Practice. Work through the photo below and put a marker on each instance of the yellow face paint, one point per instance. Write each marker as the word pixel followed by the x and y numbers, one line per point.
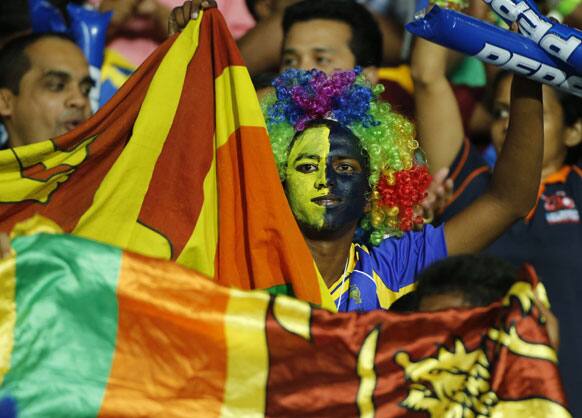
pixel 306 175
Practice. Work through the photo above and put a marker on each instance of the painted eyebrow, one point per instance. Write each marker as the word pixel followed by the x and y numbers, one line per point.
pixel 308 156
pixel 344 157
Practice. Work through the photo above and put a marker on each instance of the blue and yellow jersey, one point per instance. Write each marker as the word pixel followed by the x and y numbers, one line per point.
pixel 376 277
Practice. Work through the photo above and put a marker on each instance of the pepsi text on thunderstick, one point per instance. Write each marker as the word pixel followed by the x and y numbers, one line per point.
pixel 538 28
pixel 531 68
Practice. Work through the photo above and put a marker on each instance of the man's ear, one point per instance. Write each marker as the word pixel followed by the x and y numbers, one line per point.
pixel 573 134
pixel 6 103
pixel 371 74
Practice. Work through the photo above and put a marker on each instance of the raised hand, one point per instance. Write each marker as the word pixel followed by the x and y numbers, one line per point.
pixel 180 16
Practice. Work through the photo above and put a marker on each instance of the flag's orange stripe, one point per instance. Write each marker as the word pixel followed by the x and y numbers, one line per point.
pixel 187 155
pixel 188 151
pixel 265 257
pixel 112 125
pixel 226 52
pixel 170 358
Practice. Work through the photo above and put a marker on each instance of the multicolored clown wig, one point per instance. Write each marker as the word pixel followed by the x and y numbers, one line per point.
pixel 398 173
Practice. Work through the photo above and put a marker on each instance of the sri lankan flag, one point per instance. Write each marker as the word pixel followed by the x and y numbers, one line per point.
pixel 88 330
pixel 177 165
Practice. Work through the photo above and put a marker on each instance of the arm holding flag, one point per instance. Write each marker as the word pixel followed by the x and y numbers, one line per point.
pixel 180 16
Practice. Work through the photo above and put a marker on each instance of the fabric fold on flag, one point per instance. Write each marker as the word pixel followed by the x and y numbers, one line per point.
pixel 87 329
pixel 177 165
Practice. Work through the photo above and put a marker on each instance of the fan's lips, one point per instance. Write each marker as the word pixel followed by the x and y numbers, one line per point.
pixel 327 201
pixel 73 123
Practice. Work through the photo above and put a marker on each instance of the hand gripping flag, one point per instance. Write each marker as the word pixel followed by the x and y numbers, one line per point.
pixel 177 165
pixel 87 330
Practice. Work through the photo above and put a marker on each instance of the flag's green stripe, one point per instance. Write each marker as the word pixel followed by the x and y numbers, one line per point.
pixel 66 325
pixel 282 289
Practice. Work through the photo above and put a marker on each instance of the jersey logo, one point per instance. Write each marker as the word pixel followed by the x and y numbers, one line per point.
pixel 355 295
pixel 560 209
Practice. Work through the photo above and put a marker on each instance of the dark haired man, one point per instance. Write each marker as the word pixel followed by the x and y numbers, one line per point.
pixel 262 45
pixel 330 35
pixel 44 87
pixel 471 280
pixel 464 281
pixel 335 35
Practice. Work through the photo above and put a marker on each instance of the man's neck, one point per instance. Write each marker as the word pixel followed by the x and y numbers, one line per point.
pixel 331 254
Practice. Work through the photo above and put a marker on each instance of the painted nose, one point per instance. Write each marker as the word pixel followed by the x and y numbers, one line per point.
pixel 330 176
pixel 321 182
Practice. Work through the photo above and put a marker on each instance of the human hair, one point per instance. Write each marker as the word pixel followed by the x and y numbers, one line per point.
pixel 14 19
pixel 14 62
pixel 366 40
pixel 398 176
pixel 263 80
pixel 480 279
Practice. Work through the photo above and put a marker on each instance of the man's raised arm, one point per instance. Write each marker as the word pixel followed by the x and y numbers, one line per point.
pixel 439 123
pixel 513 189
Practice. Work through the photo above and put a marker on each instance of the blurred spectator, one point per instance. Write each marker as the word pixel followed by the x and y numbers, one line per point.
pixel 139 26
pixel 44 87
pixel 261 47
pixel 337 35
pixel 550 237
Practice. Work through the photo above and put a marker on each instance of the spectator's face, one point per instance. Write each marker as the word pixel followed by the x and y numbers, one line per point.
pixel 557 136
pixel 53 95
pixel 326 179
pixel 318 43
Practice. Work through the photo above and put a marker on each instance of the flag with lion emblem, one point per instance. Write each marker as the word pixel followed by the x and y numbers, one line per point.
pixel 176 165
pixel 88 330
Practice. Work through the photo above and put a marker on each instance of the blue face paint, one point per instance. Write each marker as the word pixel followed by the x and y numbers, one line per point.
pixel 347 179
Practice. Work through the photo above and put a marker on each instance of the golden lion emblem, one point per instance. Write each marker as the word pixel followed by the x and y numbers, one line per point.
pixel 456 384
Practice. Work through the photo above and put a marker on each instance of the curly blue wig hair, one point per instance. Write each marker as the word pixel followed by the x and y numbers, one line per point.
pixel 398 173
